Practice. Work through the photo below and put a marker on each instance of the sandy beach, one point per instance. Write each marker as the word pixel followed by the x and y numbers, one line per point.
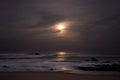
pixel 53 76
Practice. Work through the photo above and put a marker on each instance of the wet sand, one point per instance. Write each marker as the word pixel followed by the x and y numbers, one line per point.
pixel 53 76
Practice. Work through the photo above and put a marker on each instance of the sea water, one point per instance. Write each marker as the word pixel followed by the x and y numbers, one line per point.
pixel 57 61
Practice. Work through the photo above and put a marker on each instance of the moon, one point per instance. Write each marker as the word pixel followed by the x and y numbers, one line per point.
pixel 61 27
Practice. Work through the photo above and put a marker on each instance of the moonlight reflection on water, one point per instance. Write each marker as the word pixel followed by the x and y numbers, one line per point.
pixel 61 56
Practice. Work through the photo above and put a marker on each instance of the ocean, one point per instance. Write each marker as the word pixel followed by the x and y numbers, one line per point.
pixel 68 62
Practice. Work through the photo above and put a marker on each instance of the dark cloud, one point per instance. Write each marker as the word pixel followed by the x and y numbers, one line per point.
pixel 27 25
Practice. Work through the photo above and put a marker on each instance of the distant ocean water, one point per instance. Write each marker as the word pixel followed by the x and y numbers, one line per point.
pixel 56 61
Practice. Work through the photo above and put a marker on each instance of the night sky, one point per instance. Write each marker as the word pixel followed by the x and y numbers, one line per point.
pixel 30 25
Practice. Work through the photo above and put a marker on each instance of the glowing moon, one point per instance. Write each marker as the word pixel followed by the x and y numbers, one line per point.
pixel 60 27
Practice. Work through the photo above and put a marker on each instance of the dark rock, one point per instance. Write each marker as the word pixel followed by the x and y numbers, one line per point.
pixel 51 69
pixel 4 66
pixel 103 67
pixel 94 59
pixel 36 53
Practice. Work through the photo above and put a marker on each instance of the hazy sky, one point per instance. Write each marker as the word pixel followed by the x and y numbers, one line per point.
pixel 28 25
